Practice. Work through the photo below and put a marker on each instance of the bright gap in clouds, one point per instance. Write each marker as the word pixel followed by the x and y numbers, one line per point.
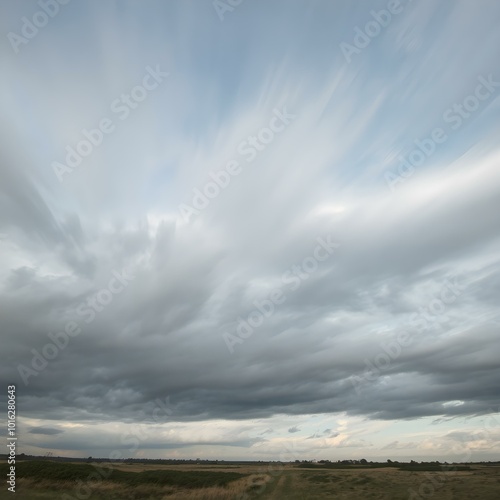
pixel 246 244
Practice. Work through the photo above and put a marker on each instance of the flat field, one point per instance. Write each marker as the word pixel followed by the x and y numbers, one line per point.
pixel 44 480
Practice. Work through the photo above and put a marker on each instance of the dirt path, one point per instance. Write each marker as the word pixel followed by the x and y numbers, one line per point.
pixel 276 494
pixel 281 488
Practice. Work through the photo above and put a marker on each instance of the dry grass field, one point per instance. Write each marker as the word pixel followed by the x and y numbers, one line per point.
pixel 261 482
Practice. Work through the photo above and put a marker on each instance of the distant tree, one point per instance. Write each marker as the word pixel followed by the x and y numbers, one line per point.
pixel 363 461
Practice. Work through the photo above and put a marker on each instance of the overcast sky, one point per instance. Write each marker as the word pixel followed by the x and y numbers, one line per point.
pixel 261 231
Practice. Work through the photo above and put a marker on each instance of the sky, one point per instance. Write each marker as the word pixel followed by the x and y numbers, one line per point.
pixel 251 230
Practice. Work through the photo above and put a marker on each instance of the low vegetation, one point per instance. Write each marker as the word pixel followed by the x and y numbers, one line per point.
pixel 124 480
pixel 414 466
pixel 46 470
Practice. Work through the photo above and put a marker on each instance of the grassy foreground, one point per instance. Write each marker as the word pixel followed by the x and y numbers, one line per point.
pixel 44 480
